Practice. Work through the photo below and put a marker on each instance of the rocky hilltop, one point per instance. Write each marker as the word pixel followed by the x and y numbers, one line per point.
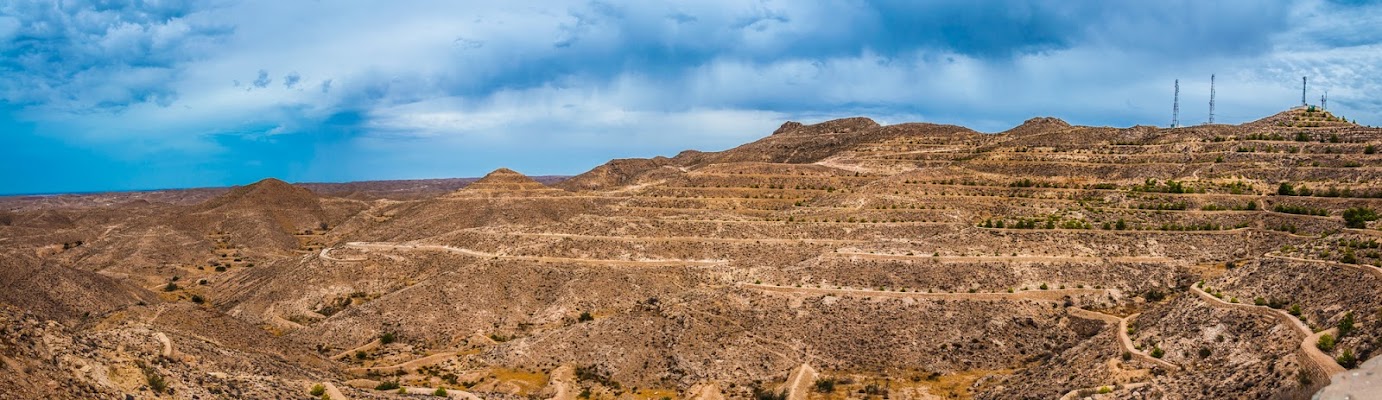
pixel 844 259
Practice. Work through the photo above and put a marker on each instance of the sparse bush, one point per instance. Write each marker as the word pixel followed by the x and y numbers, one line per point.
pixel 1326 343
pixel 387 385
pixel 196 298
pixel 1157 352
pixel 1347 360
pixel 170 287
pixel 387 338
pixel 585 316
pixel 825 385
pixel 1358 217
pixel 152 378
pixel 318 390
pixel 764 394
pixel 1304 378
pixel 1285 189
pixel 440 392
pixel 1346 324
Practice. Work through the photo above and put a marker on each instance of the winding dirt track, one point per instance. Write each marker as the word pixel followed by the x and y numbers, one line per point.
pixel 1139 259
pixel 799 384
pixel 1376 272
pixel 1043 295
pixel 332 391
pixel 1325 363
pixel 560 381
pixel 450 393
pixel 693 239
pixel 374 344
pixel 1123 338
pixel 473 253
pixel 403 366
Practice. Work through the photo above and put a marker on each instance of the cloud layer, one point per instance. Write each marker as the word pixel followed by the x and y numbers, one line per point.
pixel 157 93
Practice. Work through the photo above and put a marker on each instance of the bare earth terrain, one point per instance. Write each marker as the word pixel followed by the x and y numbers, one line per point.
pixel 838 260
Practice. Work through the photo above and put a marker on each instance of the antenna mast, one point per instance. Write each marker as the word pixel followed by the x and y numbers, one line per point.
pixel 1302 92
pixel 1175 107
pixel 1211 98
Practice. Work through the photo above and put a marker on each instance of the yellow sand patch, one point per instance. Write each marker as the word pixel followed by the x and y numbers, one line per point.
pixel 527 382
pixel 654 394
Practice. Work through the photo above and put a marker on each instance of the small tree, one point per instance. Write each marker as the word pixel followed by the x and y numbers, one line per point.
pixel 1285 189
pixel 1358 217
pixel 1347 360
pixel 1326 343
pixel 825 385
pixel 1346 324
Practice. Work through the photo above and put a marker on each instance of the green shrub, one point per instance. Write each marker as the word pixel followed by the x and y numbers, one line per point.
pixel 1326 343
pixel 825 385
pixel 1286 189
pixel 440 392
pixel 152 378
pixel 387 385
pixel 196 298
pixel 1358 217
pixel 170 287
pixel 318 390
pixel 1346 324
pixel 1347 360
pixel 764 394
pixel 585 316
pixel 1157 352
pixel 387 337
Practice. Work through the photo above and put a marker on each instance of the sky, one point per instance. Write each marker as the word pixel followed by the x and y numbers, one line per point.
pixel 150 94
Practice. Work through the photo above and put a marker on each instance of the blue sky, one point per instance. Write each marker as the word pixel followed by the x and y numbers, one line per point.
pixel 130 94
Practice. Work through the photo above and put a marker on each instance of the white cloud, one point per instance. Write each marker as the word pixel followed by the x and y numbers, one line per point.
pixel 440 76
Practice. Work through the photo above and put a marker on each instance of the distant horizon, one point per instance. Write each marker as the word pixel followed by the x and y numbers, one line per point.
pixel 256 180
pixel 251 183
pixel 105 97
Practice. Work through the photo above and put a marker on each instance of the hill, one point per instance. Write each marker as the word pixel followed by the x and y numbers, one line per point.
pixel 844 259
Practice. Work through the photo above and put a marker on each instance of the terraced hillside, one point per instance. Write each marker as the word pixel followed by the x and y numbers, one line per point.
pixel 838 260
